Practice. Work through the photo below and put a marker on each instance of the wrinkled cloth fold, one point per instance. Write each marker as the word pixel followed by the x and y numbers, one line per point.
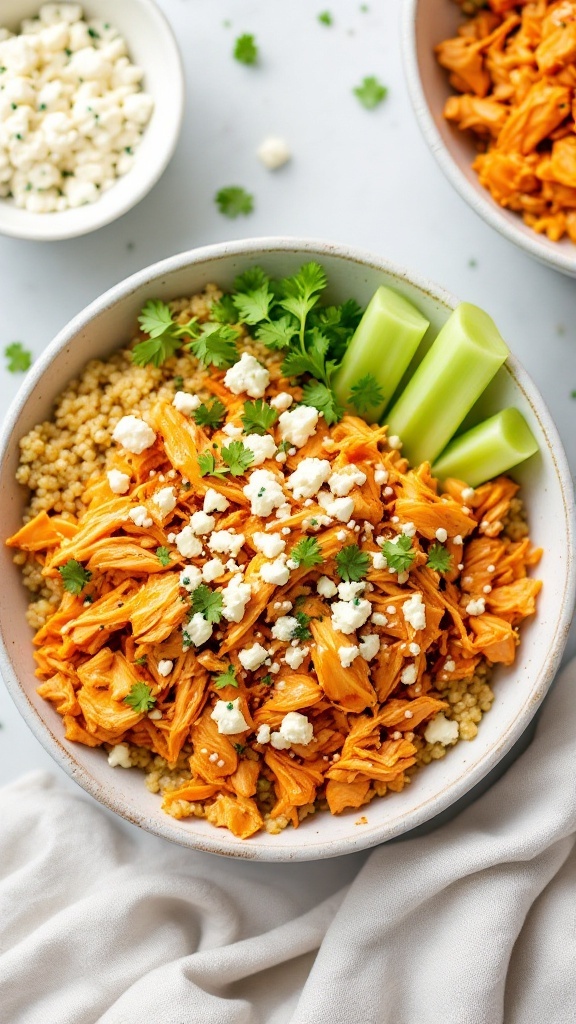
pixel 474 923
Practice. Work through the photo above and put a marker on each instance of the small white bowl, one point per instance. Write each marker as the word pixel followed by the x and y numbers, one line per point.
pixel 151 45
pixel 427 23
pixel 546 488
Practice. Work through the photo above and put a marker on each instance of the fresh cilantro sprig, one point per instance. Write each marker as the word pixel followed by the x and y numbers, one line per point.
pixel 258 417
pixel 371 92
pixel 439 558
pixel 74 576
pixel 235 456
pixel 208 602
pixel 164 334
pixel 224 311
pixel 399 553
pixel 307 553
pixel 352 564
pixel 301 631
pixel 140 698
pixel 366 394
pixel 233 201
pixel 210 415
pixel 163 555
pixel 19 359
pixel 246 49
pixel 322 398
pixel 227 678
pixel 216 345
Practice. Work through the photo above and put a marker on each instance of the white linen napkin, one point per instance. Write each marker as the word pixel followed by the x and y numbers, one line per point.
pixel 473 924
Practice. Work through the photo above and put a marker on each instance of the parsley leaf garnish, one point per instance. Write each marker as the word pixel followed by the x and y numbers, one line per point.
pixel 352 563
pixel 216 345
pixel 227 678
pixel 307 553
pixel 254 305
pixel 164 335
pixel 237 457
pixel 322 398
pixel 439 558
pixel 74 576
pixel 233 201
pixel 19 358
pixel 399 553
pixel 140 698
pixel 325 18
pixel 366 394
pixel 302 292
pixel 301 631
pixel 156 318
pixel 371 92
pixel 245 49
pixel 258 417
pixel 278 333
pixel 207 464
pixel 224 311
pixel 207 602
pixel 210 415
pixel 163 556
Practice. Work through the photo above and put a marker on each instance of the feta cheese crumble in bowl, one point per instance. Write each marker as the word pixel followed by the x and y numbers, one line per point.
pixel 91 105
pixel 229 585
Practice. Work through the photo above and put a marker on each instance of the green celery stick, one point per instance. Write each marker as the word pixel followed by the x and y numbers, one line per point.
pixel 453 374
pixel 383 345
pixel 485 451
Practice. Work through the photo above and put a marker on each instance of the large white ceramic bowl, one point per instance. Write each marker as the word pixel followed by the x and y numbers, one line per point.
pixel 546 488
pixel 151 45
pixel 427 23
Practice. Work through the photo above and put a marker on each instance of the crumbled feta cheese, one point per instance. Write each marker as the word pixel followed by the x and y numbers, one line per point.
pixel 390 609
pixel 347 655
pixel 378 560
pixel 441 534
pixel 341 535
pixel 369 646
pixel 294 728
pixel 187 543
pixel 348 591
pixel 165 500
pixel 264 492
pixel 118 482
pixel 262 446
pixel 263 734
pixel 491 568
pixel 476 607
pixel 185 403
pixel 348 616
pixel 441 730
pixel 295 656
pixel 341 509
pixel 247 376
pixel 165 667
pixel 344 479
pixel 449 665
pixel 414 611
pixel 235 597
pixel 201 523
pixel 213 569
pixel 408 529
pixel 190 578
pixel 155 715
pixel 283 511
pixel 270 544
pixel 467 493
pixel 139 516
pixel 281 401
pixel 326 587
pixel 276 572
pixel 228 717
pixel 308 477
pixel 225 542
pixel 252 657
pixel 231 430
pixel 273 152
pixel 394 442
pixel 298 426
pixel 380 475
pixel 133 434
pixel 414 649
pixel 119 756
pixel 284 627
pixel 458 540
pixel 409 675
pixel 486 589
pixel 214 502
pixel 196 632
pixel 378 619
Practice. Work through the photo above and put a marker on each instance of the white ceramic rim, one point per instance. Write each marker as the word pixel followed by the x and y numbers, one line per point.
pixel 29 233
pixel 429 808
pixel 481 203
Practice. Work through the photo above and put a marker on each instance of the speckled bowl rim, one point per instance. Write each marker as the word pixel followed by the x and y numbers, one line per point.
pixel 371 835
pixel 476 196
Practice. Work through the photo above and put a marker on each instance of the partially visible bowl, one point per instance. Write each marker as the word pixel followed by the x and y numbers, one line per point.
pixel 427 23
pixel 546 487
pixel 151 44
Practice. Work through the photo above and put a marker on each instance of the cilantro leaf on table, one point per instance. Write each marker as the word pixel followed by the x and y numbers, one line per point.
pixel 140 698
pixel 258 417
pixel 366 394
pixel 74 576
pixel 210 415
pixel 164 334
pixel 227 678
pixel 233 201
pixel 208 602
pixel 399 553
pixel 371 92
pixel 352 564
pixel 439 558
pixel 237 457
pixel 163 555
pixel 245 49
pixel 322 398
pixel 325 18
pixel 216 345
pixel 19 359
pixel 307 553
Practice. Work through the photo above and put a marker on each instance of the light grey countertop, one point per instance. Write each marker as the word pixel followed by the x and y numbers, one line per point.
pixel 356 176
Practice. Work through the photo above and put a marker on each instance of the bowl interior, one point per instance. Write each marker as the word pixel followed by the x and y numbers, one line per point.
pixel 152 46
pixel 427 24
pixel 546 489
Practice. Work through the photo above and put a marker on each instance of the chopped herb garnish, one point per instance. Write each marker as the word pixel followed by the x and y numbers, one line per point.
pixel 164 335
pixel 285 446
pixel 371 92
pixel 239 748
pixel 207 465
pixel 233 201
pixel 224 311
pixel 352 564
pixel 258 417
pixel 366 394
pixel 216 345
pixel 267 679
pixel 325 18
pixel 439 558
pixel 207 602
pixel 322 398
pixel 301 631
pixel 245 49
pixel 140 698
pixel 307 553
pixel 163 556
pixel 399 553
pixel 210 415
pixel 178 382
pixel 142 660
pixel 227 678
pixel 74 576
pixel 19 358
pixel 237 457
